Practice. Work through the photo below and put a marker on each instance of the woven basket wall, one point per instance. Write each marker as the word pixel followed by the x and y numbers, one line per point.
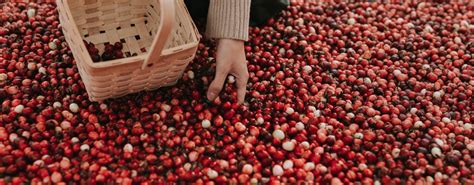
pixel 135 24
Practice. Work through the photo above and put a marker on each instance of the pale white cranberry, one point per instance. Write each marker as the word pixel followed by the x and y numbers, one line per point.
pixel 299 126
pixel 351 21
pixel 436 152
pixel 128 148
pixel 288 164
pixel 277 170
pixel 309 166
pixel 191 75
pixel 290 110
pixel 278 134
pixel 57 105
pixel 260 120
pixel 247 169
pixel 231 79
pixel 396 152
pixel 19 109
pixel 206 123
pixel 288 145
pixel 74 107
pixel 84 147
pixel 212 174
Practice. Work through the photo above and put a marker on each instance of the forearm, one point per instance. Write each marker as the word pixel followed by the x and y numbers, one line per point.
pixel 228 19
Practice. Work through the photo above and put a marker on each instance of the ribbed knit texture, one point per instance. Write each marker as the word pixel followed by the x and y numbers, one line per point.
pixel 228 19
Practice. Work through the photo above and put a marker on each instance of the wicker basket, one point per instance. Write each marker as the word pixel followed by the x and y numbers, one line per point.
pixel 161 34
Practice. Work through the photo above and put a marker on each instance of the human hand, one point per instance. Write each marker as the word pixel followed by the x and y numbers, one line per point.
pixel 230 59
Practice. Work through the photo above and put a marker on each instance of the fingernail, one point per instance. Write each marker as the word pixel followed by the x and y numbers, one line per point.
pixel 211 96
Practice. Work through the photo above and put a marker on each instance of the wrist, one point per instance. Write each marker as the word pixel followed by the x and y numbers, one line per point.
pixel 231 46
pixel 230 41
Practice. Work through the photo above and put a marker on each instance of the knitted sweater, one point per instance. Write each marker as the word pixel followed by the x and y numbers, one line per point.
pixel 228 19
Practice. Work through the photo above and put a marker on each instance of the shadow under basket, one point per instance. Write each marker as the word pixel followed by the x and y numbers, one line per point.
pixel 159 40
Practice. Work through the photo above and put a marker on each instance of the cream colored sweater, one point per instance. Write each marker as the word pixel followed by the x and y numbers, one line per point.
pixel 228 19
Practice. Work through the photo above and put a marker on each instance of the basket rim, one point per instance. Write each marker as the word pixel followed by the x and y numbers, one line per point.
pixel 127 60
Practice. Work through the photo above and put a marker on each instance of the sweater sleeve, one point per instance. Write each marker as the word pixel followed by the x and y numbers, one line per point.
pixel 228 19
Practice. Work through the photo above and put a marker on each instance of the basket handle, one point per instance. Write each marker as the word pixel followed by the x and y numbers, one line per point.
pixel 167 10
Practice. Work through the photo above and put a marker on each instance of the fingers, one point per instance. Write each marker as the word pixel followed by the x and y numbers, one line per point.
pixel 216 85
pixel 241 91
pixel 242 87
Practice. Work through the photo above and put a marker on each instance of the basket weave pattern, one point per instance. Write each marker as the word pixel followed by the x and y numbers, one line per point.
pixel 134 23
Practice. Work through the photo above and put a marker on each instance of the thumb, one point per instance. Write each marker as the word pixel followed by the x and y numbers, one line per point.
pixel 216 85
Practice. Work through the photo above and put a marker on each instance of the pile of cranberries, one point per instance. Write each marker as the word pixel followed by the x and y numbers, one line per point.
pixel 111 52
pixel 339 93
